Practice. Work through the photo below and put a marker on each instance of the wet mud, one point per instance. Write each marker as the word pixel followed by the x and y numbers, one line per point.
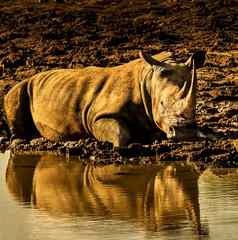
pixel 38 36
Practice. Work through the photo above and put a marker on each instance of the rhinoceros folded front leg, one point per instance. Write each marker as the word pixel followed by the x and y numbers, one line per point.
pixel 111 130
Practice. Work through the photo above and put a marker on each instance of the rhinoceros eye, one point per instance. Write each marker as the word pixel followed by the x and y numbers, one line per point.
pixel 166 72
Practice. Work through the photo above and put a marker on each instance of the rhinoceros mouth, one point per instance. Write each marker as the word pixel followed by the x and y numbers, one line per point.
pixel 180 128
pixel 186 130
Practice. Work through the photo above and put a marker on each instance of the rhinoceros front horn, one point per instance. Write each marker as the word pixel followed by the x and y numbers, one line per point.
pixel 192 87
pixel 195 61
pixel 191 95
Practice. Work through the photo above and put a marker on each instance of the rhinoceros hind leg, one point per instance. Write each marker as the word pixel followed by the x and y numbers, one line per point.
pixel 50 133
pixel 111 130
pixel 17 109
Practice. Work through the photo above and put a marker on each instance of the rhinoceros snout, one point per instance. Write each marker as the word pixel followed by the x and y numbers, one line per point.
pixel 182 133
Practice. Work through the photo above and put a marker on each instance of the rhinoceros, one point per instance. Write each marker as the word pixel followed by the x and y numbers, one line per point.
pixel 122 104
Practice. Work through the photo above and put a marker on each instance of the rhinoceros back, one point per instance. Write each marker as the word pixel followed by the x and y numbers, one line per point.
pixel 66 103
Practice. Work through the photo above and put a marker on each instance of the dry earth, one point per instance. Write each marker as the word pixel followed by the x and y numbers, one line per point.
pixel 39 36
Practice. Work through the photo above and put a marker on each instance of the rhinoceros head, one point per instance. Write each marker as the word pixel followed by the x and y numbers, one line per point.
pixel 171 88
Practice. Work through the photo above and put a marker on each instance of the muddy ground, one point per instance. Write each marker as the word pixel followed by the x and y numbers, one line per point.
pixel 40 36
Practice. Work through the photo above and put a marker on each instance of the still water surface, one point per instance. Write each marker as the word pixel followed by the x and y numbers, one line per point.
pixel 49 197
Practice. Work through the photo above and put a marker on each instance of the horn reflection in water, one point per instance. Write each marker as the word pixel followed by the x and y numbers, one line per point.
pixel 155 197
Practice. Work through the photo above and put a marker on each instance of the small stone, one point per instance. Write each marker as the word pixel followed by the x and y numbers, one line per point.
pixel 37 141
pixel 17 141
pixel 92 158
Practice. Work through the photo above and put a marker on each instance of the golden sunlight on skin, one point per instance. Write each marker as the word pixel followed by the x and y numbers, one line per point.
pixel 129 99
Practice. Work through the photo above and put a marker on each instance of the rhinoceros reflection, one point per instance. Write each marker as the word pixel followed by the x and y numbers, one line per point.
pixel 19 175
pixel 153 196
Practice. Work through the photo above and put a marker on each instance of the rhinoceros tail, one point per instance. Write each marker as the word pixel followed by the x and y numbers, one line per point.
pixel 18 114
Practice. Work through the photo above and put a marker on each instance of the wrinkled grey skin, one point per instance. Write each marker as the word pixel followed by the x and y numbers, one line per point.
pixel 120 104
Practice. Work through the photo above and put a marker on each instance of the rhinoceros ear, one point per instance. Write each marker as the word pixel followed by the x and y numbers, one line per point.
pixel 156 60
pixel 149 59
pixel 199 59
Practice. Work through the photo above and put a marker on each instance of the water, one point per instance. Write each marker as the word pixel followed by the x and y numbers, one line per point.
pixel 49 197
